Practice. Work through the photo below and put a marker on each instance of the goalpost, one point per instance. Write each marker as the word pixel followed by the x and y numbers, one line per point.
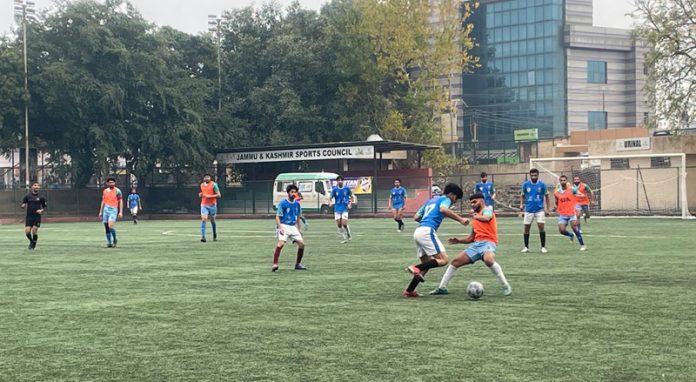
pixel 625 185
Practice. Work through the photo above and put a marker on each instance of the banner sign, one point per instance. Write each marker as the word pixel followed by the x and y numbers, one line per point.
pixel 352 152
pixel 631 144
pixel 362 185
pixel 526 134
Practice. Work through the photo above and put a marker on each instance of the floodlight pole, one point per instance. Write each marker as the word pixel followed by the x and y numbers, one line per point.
pixel 22 8
pixel 215 26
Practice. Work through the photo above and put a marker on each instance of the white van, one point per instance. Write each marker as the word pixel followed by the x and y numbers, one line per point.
pixel 315 188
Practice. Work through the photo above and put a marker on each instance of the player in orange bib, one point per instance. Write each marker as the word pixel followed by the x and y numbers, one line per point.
pixel 111 207
pixel 209 194
pixel 484 239
pixel 583 206
pixel 566 199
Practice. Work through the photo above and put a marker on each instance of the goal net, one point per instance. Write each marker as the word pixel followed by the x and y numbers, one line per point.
pixel 625 185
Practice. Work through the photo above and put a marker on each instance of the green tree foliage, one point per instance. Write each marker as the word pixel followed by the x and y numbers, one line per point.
pixel 669 28
pixel 11 95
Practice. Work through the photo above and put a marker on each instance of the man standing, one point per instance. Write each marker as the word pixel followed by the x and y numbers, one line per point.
pixel 397 201
pixel 209 194
pixel 111 208
pixel 486 188
pixel 35 205
pixel 584 201
pixel 134 204
pixel 534 200
pixel 287 226
pixel 565 205
pixel 342 201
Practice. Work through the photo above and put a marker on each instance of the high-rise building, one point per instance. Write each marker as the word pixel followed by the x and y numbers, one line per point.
pixel 544 66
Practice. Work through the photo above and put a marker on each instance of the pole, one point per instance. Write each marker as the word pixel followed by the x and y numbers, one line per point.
pixel 26 100
pixel 219 52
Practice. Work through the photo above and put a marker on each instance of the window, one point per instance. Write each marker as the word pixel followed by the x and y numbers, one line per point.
pixel 305 187
pixel 319 188
pixel 660 162
pixel 646 117
pixel 597 120
pixel 597 72
pixel 619 163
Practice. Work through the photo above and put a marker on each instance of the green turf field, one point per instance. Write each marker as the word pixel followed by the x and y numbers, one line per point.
pixel 165 307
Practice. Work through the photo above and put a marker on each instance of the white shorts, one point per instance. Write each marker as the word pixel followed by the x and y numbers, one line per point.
pixel 289 232
pixel 341 215
pixel 427 243
pixel 134 211
pixel 539 216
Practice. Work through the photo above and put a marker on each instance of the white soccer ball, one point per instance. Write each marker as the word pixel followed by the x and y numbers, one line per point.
pixel 474 290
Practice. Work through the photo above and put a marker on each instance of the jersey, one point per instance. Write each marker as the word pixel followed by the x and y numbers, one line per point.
pixel 583 198
pixel 289 212
pixel 111 197
pixel 342 196
pixel 430 213
pixel 566 200
pixel 487 190
pixel 398 196
pixel 209 189
pixel 133 200
pixel 485 231
pixel 534 194
pixel 34 203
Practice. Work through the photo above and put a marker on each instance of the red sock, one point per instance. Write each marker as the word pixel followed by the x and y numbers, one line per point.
pixel 300 253
pixel 276 255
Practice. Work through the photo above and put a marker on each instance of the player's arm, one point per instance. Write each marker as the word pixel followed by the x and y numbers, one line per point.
pixel 466 240
pixel 101 207
pixel 350 199
pixel 389 203
pixel 279 214
pixel 452 215
pixel 120 207
pixel 547 200
pixel 140 205
pixel 332 198
pixel 485 217
pixel 493 192
pixel 588 190
pixel 25 201
pixel 419 215
pixel 522 198
pixel 43 206
pixel 216 189
pixel 299 215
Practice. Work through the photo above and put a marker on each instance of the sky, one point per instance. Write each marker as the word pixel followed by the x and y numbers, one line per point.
pixel 191 15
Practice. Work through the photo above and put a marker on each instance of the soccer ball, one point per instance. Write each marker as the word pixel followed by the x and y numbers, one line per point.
pixel 474 290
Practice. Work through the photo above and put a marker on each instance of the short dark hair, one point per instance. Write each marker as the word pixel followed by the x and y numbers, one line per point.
pixel 339 178
pixel 562 176
pixel 291 187
pixel 534 171
pixel 395 179
pixel 33 183
pixel 207 174
pixel 475 196
pixel 451 188
pixel 483 174
pixel 111 179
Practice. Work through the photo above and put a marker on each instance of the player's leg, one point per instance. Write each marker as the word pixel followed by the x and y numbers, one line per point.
pixel 35 233
pixel 278 248
pixel 212 214
pixel 300 253
pixel 541 225
pixel 112 229
pixel 204 220
pixel 433 248
pixel 107 227
pixel 346 227
pixel 489 260
pixel 338 217
pixel 528 218
pixel 576 229
pixel 400 218
pixel 562 225
pixel 463 258
pixel 586 211
pixel 28 234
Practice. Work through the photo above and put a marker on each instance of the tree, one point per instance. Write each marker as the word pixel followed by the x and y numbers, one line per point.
pixel 669 29
pixel 11 95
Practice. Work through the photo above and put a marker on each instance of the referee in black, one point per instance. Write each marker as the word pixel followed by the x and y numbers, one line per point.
pixel 35 205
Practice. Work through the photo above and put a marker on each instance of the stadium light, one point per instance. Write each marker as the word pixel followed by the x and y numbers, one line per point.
pixel 215 26
pixel 25 10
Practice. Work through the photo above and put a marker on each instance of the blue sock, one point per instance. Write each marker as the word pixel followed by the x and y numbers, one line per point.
pixel 566 233
pixel 113 234
pixel 202 229
pixel 108 233
pixel 579 235
pixel 214 229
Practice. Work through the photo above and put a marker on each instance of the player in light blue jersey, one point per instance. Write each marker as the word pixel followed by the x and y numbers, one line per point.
pixel 429 249
pixel 486 188
pixel 342 202
pixel 287 227
pixel 397 202
pixel 534 201
pixel 134 204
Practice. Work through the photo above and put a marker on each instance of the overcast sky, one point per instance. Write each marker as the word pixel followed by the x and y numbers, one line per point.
pixel 191 15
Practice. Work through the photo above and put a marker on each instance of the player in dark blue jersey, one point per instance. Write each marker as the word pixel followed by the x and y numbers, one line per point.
pixel 397 202
pixel 35 205
pixel 287 227
pixel 342 202
pixel 429 248
pixel 534 201
pixel 486 188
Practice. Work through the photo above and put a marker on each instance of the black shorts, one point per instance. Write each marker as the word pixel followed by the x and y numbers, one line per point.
pixel 33 221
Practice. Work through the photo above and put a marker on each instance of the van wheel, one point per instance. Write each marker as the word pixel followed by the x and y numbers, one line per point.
pixel 325 209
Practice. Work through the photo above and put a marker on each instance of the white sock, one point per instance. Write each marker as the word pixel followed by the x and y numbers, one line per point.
pixel 449 273
pixel 342 232
pixel 348 231
pixel 499 275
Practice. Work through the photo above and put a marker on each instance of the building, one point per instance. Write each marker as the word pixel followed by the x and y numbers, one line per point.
pixel 547 71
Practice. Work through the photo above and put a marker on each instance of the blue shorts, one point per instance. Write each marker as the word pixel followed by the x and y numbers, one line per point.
pixel 209 210
pixel 566 219
pixel 583 207
pixel 478 248
pixel 109 214
pixel 397 206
